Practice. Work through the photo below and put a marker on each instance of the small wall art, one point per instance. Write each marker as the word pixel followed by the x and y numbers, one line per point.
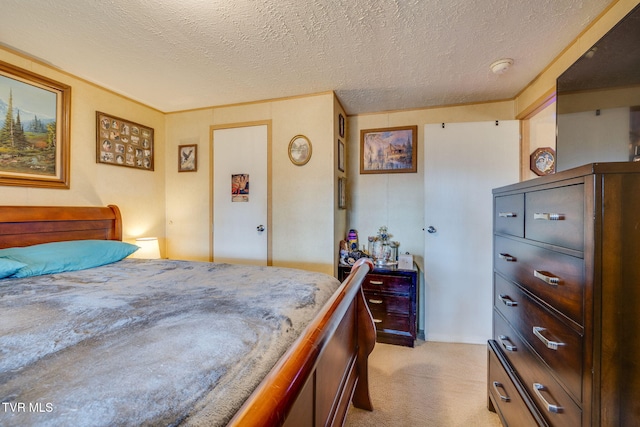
pixel 340 156
pixel 342 193
pixel 389 150
pixel 188 158
pixel 121 142
pixel 300 150
pixel 543 161
pixel 240 187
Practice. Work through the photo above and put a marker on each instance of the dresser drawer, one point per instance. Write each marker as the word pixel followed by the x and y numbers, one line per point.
pixel 509 215
pixel 509 404
pixel 382 283
pixel 528 265
pixel 556 406
pixel 556 216
pixel 558 345
pixel 400 304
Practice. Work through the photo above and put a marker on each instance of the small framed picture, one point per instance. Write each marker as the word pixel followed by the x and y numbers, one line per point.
pixel 341 156
pixel 300 150
pixel 342 193
pixel 543 161
pixel 188 158
pixel 341 125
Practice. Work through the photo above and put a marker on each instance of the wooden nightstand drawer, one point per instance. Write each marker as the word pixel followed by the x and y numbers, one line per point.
pixel 384 283
pixel 391 322
pixel 556 216
pixel 558 345
pixel 556 278
pixel 509 215
pixel 388 303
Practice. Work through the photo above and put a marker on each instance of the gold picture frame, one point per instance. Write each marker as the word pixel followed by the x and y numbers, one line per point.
pixel 35 132
pixel 121 142
pixel 300 150
pixel 389 150
pixel 188 158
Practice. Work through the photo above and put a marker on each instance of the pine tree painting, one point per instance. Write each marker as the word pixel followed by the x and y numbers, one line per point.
pixel 27 128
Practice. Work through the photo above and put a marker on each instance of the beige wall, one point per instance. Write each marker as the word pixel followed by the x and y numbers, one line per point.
pixel 397 200
pixel 139 194
pixel 303 198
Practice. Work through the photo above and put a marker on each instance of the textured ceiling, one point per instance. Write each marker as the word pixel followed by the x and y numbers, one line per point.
pixel 377 55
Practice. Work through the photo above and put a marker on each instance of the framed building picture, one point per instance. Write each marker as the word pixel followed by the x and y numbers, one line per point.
pixel 121 142
pixel 389 150
pixel 34 129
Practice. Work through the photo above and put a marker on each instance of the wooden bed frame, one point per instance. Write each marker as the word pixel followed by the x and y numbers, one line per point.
pixel 314 381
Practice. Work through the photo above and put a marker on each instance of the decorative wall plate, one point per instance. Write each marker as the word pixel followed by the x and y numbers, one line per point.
pixel 299 150
pixel 543 161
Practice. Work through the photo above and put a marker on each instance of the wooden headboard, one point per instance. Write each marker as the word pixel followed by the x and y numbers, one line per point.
pixel 31 225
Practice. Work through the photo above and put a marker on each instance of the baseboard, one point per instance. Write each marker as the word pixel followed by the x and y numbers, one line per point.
pixel 456 339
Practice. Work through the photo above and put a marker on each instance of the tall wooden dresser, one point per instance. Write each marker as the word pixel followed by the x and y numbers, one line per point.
pixel 566 307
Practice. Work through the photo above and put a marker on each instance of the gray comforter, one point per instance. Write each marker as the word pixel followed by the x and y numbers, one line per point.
pixel 147 342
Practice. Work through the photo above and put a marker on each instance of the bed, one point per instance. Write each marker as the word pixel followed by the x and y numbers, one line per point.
pixel 146 342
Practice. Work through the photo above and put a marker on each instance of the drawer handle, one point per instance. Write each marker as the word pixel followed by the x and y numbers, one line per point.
pixel 548 216
pixel 506 343
pixel 553 345
pixel 377 321
pixel 507 300
pixel 538 389
pixel 507 257
pixel 546 277
pixel 375 301
pixel 376 282
pixel 503 397
pixel 507 215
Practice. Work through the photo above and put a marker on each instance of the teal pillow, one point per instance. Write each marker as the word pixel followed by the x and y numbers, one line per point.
pixel 9 267
pixel 73 255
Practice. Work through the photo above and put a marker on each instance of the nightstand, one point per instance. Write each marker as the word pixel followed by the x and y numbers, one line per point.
pixel 391 297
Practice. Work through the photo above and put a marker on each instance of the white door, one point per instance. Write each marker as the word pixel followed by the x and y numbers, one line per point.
pixel 463 163
pixel 240 195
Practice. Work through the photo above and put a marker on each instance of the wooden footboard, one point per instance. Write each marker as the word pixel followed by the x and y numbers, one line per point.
pixel 326 369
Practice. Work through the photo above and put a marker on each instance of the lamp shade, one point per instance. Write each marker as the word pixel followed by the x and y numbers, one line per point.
pixel 149 248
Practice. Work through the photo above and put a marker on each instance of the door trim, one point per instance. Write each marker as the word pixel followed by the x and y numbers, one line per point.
pixel 213 128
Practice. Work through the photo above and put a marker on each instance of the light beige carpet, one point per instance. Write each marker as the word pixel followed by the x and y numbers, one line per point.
pixel 433 384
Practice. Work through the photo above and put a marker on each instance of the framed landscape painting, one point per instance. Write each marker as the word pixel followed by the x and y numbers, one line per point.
pixel 34 129
pixel 389 150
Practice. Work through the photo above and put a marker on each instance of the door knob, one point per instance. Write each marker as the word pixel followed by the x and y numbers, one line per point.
pixel 431 229
pixel 260 228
